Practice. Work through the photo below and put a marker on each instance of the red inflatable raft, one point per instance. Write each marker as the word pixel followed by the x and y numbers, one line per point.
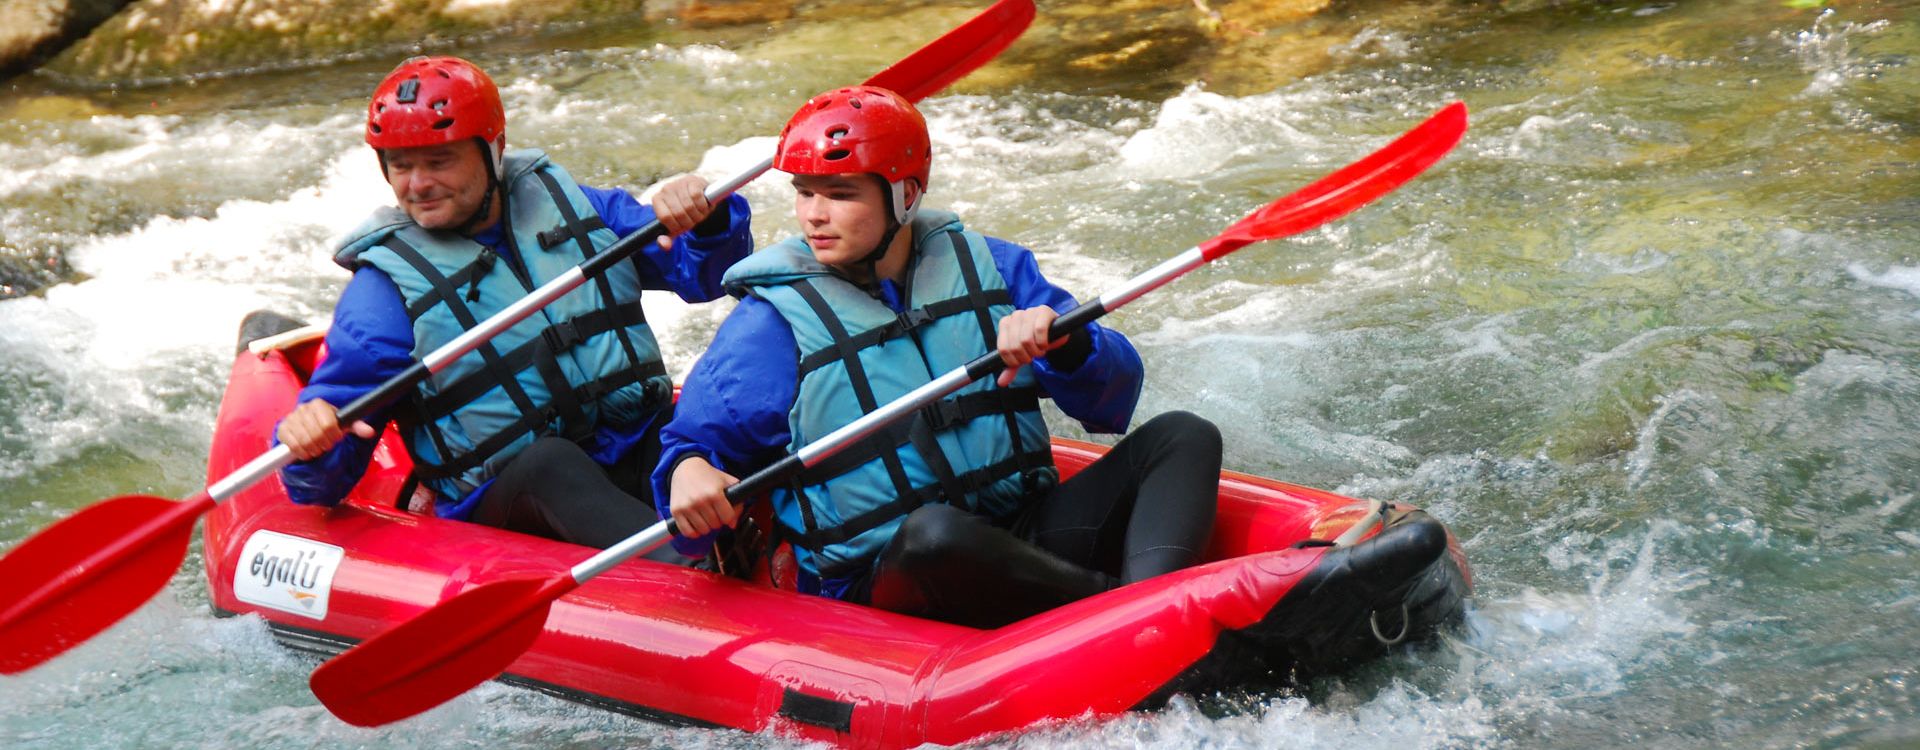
pixel 693 648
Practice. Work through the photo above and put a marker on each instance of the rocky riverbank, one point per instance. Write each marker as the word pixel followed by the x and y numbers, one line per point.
pixel 1229 44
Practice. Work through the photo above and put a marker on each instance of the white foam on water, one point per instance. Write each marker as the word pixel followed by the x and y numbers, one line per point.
pixel 170 291
pixel 1826 53
pixel 1374 43
pixel 1199 132
pixel 1537 648
pixel 39 162
pixel 157 147
pixel 550 103
pixel 1594 365
pixel 1396 717
pixel 1902 278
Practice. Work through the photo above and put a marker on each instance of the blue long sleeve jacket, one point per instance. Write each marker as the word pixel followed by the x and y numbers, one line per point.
pixel 734 404
pixel 371 338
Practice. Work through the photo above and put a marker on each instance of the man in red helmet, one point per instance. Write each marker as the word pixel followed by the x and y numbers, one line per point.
pixel 551 427
pixel 957 513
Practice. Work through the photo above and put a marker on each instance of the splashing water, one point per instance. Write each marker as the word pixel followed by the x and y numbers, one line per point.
pixel 1645 342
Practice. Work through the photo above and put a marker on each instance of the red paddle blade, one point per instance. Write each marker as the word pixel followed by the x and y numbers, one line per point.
pixel 1355 185
pixel 445 651
pixel 958 52
pixel 62 586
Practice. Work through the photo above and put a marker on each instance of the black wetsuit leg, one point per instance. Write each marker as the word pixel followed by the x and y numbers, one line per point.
pixel 555 490
pixel 1143 509
pixel 950 565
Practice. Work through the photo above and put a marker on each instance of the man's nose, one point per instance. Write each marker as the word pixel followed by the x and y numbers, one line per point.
pixel 417 183
pixel 813 210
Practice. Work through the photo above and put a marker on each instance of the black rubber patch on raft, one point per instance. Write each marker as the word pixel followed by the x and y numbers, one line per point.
pixel 818 711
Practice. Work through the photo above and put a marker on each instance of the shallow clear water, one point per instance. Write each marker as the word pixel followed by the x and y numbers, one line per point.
pixel 1646 341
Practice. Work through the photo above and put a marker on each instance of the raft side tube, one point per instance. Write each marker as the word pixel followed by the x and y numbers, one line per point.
pixel 1108 653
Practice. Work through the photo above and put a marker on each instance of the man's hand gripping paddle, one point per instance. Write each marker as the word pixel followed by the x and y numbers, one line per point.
pixel 476 635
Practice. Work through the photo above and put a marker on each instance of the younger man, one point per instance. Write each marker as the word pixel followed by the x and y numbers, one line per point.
pixel 957 514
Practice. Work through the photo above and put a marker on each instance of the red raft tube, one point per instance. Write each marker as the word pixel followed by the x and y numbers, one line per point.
pixel 1298 581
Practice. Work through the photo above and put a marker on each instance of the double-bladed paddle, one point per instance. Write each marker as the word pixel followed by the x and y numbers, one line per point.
pixel 87 571
pixel 474 636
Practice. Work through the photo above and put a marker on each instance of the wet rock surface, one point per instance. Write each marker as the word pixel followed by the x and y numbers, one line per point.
pixel 1098 46
pixel 168 40
pixel 33 30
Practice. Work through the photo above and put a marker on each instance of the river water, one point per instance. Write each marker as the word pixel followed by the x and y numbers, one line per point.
pixel 1646 341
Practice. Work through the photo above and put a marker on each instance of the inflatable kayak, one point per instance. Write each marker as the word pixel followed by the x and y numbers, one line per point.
pixel 1299 582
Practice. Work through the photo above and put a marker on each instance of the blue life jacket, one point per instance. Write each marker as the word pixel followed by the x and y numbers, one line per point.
pixel 984 448
pixel 588 359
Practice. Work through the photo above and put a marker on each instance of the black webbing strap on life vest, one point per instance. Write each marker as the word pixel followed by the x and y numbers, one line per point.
pixel 901 325
pixel 552 341
pixel 482 264
pixel 570 229
pixel 921 431
pixel 536 421
pixel 578 231
pixel 490 358
pixel 938 416
pixel 989 333
pixel 816 539
pixel 862 387
pixel 573 228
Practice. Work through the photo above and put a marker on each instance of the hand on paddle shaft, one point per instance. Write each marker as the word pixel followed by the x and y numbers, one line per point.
pixel 476 635
pixel 699 496
pixel 79 576
pixel 681 204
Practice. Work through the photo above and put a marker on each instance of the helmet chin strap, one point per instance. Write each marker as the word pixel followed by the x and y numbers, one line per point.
pixel 900 213
pixel 490 153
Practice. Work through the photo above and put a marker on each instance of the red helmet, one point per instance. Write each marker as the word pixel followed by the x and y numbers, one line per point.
pixel 859 129
pixel 428 101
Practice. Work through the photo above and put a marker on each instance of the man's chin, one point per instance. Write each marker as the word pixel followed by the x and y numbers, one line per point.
pixel 432 220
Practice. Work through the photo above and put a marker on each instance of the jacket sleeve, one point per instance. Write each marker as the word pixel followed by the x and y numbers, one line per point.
pixel 693 268
pixel 369 342
pixel 1102 390
pixel 733 406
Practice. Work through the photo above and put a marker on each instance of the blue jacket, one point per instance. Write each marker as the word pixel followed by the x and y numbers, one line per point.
pixel 734 406
pixel 371 338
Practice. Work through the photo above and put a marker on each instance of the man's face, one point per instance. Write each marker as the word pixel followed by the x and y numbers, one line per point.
pixel 843 216
pixel 439 186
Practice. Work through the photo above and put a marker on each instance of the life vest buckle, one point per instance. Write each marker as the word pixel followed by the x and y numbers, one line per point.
pixel 943 414
pixel 552 238
pixel 905 322
pixel 561 336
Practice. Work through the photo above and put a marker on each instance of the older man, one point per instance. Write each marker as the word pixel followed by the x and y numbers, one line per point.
pixel 552 427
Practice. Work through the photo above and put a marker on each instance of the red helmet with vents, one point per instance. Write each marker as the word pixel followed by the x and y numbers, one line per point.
pixel 859 129
pixel 428 101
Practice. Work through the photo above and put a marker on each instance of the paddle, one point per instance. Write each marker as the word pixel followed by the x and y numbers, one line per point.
pixel 474 636
pixel 86 572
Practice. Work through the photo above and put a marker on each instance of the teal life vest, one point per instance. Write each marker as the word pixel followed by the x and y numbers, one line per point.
pixel 983 449
pixel 587 360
